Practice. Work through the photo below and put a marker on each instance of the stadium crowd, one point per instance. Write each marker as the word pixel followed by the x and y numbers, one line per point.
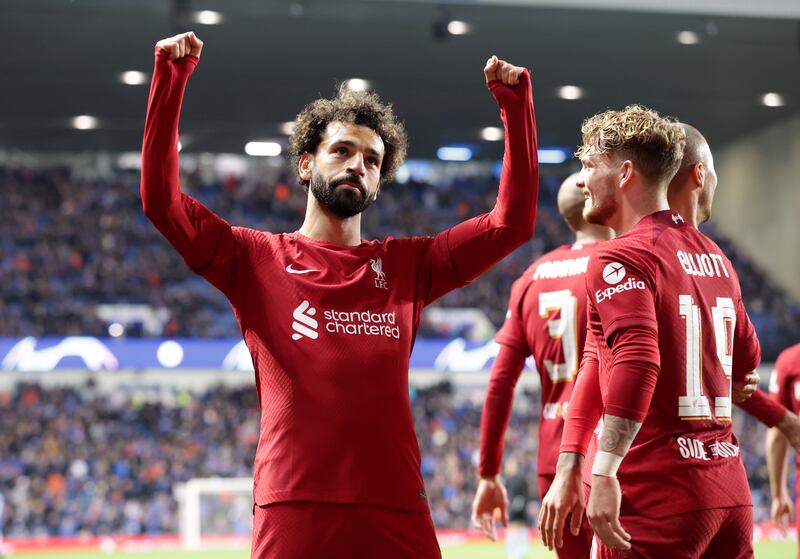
pixel 69 244
pixel 75 461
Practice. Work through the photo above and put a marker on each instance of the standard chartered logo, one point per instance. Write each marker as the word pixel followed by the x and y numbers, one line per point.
pixel 304 325
pixel 362 323
pixel 352 323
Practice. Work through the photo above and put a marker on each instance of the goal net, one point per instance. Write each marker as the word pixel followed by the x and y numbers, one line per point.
pixel 215 512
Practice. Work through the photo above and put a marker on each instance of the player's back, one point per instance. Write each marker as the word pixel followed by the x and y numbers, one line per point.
pixel 667 275
pixel 547 319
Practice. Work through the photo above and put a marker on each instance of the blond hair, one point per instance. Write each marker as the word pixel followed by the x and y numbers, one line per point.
pixel 653 143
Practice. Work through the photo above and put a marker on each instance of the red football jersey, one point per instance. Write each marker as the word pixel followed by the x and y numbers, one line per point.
pixel 784 383
pixel 330 327
pixel 547 319
pixel 667 276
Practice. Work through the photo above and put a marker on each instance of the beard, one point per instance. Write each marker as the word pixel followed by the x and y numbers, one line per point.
pixel 342 202
pixel 598 211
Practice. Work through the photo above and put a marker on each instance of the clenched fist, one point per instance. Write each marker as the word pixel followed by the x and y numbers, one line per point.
pixel 506 73
pixel 181 45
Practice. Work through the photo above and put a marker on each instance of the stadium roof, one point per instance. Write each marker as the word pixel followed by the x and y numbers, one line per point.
pixel 265 60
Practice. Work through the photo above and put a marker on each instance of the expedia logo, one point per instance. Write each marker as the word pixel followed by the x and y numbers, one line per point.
pixel 614 273
pixel 606 294
pixel 304 325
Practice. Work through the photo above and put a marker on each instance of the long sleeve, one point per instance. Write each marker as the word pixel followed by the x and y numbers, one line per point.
pixel 585 403
pixel 630 328
pixel 497 408
pixel 204 240
pixel 475 245
pixel 765 409
pixel 634 373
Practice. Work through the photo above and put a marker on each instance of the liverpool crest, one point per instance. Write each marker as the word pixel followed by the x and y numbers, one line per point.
pixel 380 277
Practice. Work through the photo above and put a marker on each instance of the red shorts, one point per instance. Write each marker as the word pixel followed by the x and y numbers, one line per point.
pixel 703 534
pixel 310 529
pixel 573 547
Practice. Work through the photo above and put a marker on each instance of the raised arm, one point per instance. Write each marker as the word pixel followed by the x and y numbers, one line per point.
pixel 204 240
pixel 475 245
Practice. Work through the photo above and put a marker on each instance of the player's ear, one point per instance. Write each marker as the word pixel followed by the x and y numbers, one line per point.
pixel 625 173
pixel 699 174
pixel 305 165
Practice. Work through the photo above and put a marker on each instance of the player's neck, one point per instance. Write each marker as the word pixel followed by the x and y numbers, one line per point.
pixel 322 225
pixel 688 209
pixel 636 205
pixel 593 234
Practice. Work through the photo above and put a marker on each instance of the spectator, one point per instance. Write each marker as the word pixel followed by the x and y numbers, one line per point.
pixel 74 461
pixel 56 269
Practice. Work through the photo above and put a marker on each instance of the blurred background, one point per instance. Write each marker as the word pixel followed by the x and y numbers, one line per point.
pixel 122 375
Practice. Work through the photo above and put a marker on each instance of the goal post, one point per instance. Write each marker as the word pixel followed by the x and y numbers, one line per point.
pixel 215 512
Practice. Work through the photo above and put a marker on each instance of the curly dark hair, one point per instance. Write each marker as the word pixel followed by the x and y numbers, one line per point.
pixel 355 107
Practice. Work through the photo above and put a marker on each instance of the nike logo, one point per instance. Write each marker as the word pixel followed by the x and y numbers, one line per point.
pixel 294 271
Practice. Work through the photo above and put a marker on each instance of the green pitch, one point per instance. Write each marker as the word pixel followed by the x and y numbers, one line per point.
pixel 764 550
